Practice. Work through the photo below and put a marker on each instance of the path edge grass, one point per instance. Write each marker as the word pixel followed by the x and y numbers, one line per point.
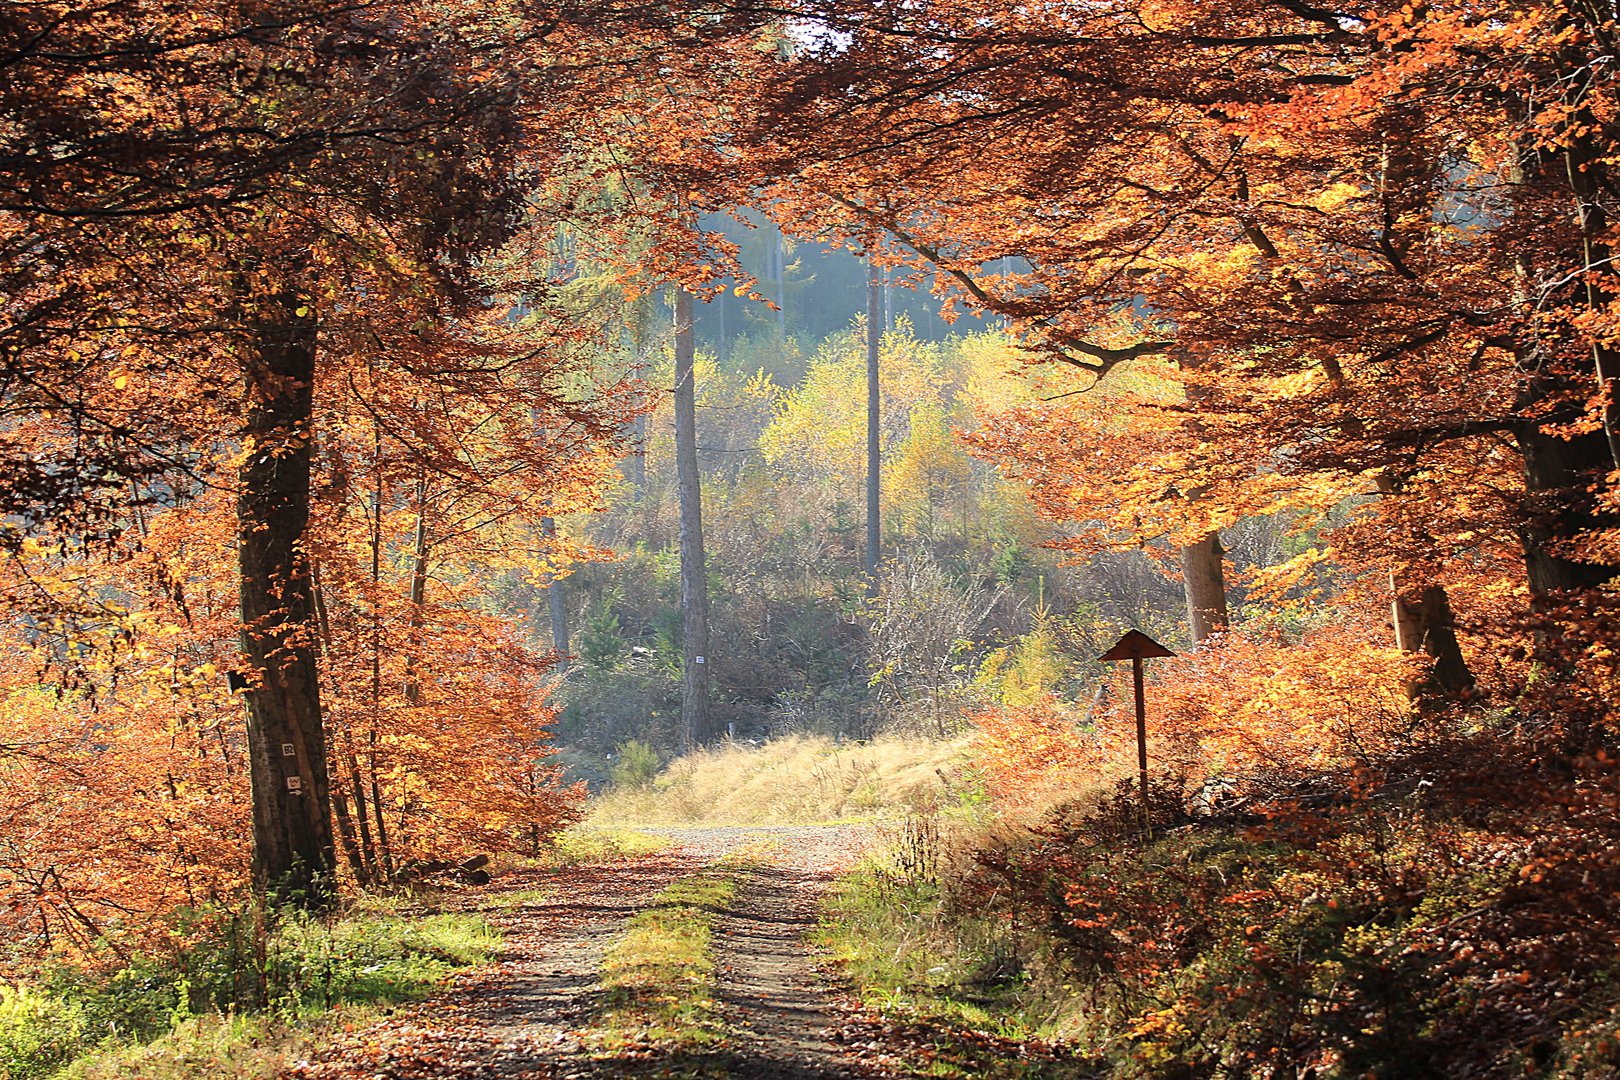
pixel 153 1020
pixel 934 986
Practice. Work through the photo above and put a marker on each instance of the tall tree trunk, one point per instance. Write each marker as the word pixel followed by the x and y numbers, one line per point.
pixel 1424 624
pixel 874 433
pixel 694 581
pixel 340 804
pixel 557 602
pixel 418 594
pixel 1203 576
pixel 1584 167
pixel 385 855
pixel 293 856
pixel 1559 508
pixel 1558 473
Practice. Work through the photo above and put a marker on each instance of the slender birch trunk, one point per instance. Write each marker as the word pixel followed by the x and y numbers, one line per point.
pixel 694 581
pixel 874 432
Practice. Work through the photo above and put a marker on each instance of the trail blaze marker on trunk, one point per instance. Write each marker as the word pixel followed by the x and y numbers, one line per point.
pixel 1136 646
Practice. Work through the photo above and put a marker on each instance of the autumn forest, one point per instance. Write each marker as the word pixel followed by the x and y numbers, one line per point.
pixel 811 538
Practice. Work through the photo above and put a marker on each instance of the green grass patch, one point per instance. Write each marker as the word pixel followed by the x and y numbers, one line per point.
pixel 223 1004
pixel 378 953
pixel 658 980
pixel 259 1046
pixel 952 992
pixel 585 845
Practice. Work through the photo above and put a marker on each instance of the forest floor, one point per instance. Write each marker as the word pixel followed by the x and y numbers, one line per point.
pixel 541 1009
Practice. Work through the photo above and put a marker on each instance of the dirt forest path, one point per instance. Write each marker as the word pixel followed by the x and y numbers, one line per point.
pixel 525 1014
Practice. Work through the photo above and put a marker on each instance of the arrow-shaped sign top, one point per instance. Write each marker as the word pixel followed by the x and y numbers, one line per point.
pixel 1135 645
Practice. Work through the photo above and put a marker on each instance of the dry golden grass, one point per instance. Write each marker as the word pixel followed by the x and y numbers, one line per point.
pixel 796 780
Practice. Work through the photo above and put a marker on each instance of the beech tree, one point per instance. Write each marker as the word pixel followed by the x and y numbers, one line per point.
pixel 1362 276
pixel 236 203
pixel 292 832
pixel 196 238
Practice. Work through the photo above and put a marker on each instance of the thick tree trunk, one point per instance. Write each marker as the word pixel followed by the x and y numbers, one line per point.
pixel 1558 472
pixel 694 580
pixel 1424 624
pixel 1559 509
pixel 557 602
pixel 1203 577
pixel 293 856
pixel 1421 615
pixel 874 433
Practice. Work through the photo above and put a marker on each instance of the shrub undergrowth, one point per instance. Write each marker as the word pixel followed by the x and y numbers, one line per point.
pixel 953 982
pixel 226 987
pixel 1373 926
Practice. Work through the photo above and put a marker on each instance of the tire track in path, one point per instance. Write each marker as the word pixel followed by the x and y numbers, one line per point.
pixel 776 1002
pixel 522 1015
pixel 510 1018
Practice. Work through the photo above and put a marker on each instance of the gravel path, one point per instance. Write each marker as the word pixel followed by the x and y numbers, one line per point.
pixel 523 1015
pixel 772 997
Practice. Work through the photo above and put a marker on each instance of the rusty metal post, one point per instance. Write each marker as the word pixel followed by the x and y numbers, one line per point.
pixel 1141 733
pixel 1136 646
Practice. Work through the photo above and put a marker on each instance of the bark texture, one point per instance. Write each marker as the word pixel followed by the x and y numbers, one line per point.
pixel 1424 624
pixel 1559 508
pixel 1421 615
pixel 293 856
pixel 694 580
pixel 1204 579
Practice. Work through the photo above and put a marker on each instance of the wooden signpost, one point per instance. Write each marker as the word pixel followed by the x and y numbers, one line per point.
pixel 1136 646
